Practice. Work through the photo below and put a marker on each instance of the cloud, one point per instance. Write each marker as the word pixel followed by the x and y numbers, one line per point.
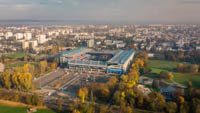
pixel 112 10
pixel 190 2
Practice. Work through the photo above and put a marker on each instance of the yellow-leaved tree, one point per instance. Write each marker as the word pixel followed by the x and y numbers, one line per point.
pixel 82 93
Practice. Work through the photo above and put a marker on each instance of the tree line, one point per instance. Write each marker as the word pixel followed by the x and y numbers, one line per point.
pixel 127 98
pixel 187 68
pixel 26 98
pixel 21 78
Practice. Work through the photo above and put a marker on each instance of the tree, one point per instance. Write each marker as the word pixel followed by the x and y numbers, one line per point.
pixel 29 99
pixel 35 99
pixel 26 81
pixel 5 79
pixel 195 68
pixel 124 109
pixel 22 81
pixel 166 75
pixel 181 100
pixel 17 97
pixel 117 98
pixel 195 105
pixel 140 101
pixel 15 80
pixel 76 111
pixel 155 83
pixel 103 109
pixel 59 105
pixel 179 68
pixel 55 49
pixel 171 107
pixel 53 66
pixel 82 93
pixel 112 82
pixel 43 66
pixel 101 91
pixel 189 84
pixel 143 55
pixel 139 62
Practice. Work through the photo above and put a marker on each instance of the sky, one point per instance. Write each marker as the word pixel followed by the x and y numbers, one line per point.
pixel 141 11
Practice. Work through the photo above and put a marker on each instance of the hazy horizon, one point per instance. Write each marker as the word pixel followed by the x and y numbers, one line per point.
pixel 102 11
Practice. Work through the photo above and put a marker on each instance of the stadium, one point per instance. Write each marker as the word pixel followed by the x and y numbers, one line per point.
pixel 110 61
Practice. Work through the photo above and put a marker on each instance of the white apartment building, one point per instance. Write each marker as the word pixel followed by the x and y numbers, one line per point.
pixel 42 39
pixel 25 45
pixel 19 36
pixel 33 44
pixel 1 34
pixel 27 36
pixel 8 35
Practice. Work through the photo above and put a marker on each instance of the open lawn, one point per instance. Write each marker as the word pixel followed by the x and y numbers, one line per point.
pixel 16 64
pixel 182 78
pixel 14 109
pixel 159 65
pixel 20 63
pixel 16 55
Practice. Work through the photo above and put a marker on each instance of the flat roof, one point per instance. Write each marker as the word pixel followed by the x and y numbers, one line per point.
pixel 121 57
pixel 75 52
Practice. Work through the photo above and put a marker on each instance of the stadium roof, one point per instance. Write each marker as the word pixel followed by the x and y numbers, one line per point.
pixel 121 57
pixel 75 52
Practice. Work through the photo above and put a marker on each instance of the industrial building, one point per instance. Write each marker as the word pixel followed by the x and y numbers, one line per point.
pixel 111 61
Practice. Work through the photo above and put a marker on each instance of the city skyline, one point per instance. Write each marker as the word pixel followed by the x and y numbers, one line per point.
pixel 115 11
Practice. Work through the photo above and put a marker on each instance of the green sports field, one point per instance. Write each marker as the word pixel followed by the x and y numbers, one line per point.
pixel 182 78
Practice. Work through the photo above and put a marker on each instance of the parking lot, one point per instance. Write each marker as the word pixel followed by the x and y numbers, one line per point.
pixel 68 81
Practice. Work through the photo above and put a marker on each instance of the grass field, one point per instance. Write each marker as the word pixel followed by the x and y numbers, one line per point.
pixel 16 64
pixel 159 65
pixel 16 55
pixel 182 78
pixel 9 109
pixel 20 63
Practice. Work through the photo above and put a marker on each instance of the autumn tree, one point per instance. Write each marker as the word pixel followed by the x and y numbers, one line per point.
pixel 140 101
pixel 179 68
pixel 29 99
pixel 112 82
pixel 166 75
pixel 103 109
pixel 171 107
pixel 43 66
pixel 22 81
pixel 76 111
pixel 82 93
pixel 59 102
pixel 195 105
pixel 5 79
pixel 53 65
pixel 35 99
pixel 155 83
